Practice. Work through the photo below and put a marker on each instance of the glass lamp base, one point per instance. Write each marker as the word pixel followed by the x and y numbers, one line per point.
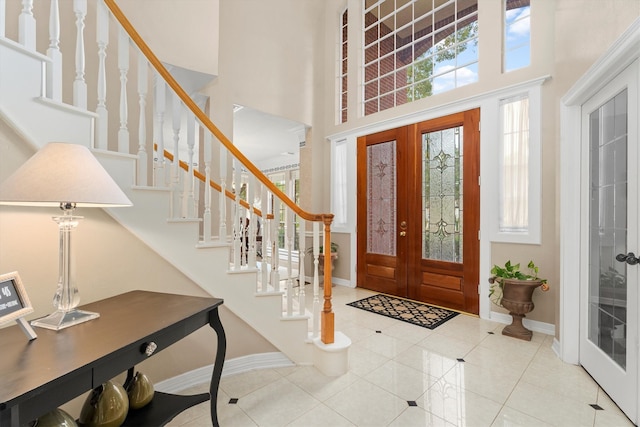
pixel 63 319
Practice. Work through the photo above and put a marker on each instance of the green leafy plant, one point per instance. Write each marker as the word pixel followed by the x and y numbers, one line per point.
pixel 334 248
pixel 512 271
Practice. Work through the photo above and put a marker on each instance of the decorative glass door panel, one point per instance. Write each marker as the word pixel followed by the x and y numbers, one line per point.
pixel 442 195
pixel 608 229
pixel 413 187
pixel 381 198
pixel 609 281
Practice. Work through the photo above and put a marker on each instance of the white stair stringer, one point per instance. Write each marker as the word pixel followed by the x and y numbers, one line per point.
pixel 176 241
pixel 40 121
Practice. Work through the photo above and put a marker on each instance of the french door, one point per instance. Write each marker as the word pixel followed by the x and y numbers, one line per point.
pixel 418 211
pixel 609 294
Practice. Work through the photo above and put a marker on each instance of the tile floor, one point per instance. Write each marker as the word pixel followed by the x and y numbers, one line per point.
pixel 463 373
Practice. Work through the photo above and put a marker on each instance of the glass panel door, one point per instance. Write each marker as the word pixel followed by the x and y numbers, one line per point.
pixel 608 229
pixel 442 195
pixel 609 281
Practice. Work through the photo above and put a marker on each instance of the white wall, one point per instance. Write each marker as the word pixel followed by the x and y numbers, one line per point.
pixel 108 261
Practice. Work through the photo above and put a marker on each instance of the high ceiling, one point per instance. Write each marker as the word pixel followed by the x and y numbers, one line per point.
pixel 268 141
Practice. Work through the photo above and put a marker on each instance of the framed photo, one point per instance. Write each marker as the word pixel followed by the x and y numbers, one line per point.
pixel 14 301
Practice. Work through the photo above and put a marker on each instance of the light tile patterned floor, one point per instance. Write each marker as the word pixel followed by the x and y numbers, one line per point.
pixel 501 381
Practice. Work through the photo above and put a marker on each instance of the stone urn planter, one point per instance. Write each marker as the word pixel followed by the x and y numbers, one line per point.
pixel 517 298
pixel 513 290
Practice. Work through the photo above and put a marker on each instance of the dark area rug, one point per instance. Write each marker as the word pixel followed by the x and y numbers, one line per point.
pixel 413 312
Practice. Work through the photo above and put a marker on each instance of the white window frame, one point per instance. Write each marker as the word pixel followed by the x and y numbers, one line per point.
pixel 347 179
pixel 532 235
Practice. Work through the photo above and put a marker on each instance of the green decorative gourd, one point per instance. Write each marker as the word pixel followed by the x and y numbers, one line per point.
pixel 106 406
pixel 139 389
pixel 55 418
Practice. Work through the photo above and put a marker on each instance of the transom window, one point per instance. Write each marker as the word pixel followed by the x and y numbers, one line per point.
pixel 517 34
pixel 417 48
pixel 343 67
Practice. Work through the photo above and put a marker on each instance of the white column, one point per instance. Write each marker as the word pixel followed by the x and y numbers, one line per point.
pixel 3 17
pixel 102 37
pixel 275 251
pixel 289 234
pixel 27 26
pixel 301 276
pixel 123 66
pixel 54 74
pixel 142 121
pixel 316 284
pixel 206 226
pixel 79 84
pixel 251 233
pixel 191 140
pixel 159 163
pixel 266 232
pixel 222 232
pixel 176 191
pixel 238 225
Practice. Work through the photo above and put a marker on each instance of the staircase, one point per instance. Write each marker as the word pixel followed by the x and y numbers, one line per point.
pixel 196 222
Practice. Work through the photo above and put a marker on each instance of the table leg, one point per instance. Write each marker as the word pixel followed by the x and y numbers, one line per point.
pixel 214 322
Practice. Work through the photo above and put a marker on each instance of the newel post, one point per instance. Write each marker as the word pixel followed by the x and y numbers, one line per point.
pixel 327 317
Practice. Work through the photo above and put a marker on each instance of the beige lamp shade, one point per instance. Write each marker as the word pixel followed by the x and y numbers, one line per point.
pixel 62 173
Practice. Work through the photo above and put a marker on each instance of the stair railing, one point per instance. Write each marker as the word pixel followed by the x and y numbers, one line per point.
pixel 167 157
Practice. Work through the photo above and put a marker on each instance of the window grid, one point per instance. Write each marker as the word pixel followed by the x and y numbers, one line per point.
pixel 517 35
pixel 414 49
pixel 343 67
pixel 514 215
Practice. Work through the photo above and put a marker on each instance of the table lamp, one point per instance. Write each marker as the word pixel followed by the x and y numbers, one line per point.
pixel 68 176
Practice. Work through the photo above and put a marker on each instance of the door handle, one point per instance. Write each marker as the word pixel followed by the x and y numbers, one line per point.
pixel 629 258
pixel 403 233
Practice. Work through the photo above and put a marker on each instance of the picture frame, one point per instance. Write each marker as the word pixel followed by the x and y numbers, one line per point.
pixel 14 302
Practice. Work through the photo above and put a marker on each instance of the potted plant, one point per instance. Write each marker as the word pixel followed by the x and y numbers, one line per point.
pixel 333 254
pixel 513 289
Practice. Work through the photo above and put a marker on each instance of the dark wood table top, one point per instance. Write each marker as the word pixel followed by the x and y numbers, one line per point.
pixel 28 367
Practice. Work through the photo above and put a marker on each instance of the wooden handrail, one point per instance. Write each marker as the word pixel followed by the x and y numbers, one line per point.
pixel 213 184
pixel 327 315
pixel 155 62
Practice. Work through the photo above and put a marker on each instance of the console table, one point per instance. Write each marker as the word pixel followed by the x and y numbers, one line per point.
pixel 40 375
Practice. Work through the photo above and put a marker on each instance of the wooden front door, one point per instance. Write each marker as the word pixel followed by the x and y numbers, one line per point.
pixel 418 211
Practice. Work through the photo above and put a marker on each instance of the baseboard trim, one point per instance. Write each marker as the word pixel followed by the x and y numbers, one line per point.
pixel 534 325
pixel 231 367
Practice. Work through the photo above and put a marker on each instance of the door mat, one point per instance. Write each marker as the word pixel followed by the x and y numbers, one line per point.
pixel 413 312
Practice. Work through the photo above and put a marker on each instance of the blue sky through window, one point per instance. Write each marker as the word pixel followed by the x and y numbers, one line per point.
pixel 517 38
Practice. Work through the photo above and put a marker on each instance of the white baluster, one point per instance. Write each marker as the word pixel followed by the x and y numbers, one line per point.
pixel 79 84
pixel 238 225
pixel 302 296
pixel 3 19
pixel 159 163
pixel 123 66
pixel 222 232
pixel 27 26
pixel 251 233
pixel 102 37
pixel 176 191
pixel 316 284
pixel 191 140
pixel 266 232
pixel 54 76
pixel 289 234
pixel 142 122
pixel 206 226
pixel 275 250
